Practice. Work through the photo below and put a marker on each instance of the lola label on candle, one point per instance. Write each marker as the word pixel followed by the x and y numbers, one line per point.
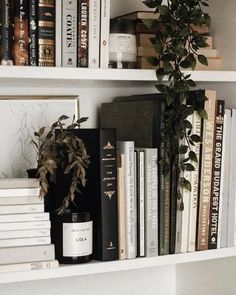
pixel 77 239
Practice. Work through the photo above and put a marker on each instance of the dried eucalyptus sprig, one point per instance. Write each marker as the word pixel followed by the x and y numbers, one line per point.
pixel 60 148
pixel 176 44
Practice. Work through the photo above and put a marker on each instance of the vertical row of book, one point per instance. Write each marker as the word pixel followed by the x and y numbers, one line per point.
pixel 58 33
pixel 25 242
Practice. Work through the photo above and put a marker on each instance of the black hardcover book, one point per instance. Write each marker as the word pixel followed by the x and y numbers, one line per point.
pixel 33 39
pixel 83 33
pixel 216 176
pixel 6 31
pixel 140 118
pixel 46 33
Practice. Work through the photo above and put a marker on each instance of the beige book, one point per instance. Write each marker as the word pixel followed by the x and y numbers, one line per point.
pixel 140 15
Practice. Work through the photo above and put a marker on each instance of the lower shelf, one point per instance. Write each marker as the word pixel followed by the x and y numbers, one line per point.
pixel 96 267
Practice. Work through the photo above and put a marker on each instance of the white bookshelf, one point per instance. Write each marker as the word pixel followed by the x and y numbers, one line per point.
pixel 97 267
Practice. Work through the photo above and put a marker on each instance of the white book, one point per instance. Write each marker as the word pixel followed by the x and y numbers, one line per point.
pixel 69 33
pixel 27 254
pixel 24 217
pixel 30 233
pixel 25 225
pixel 94 33
pixel 37 265
pixel 21 200
pixel 19 192
pixel 195 187
pixel 127 148
pixel 151 200
pixel 224 182
pixel 25 242
pixel 58 33
pixel 232 183
pixel 104 33
pixel 29 208
pixel 10 183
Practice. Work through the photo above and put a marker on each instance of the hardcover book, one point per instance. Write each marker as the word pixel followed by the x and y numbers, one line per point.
pixel 33 37
pixel 46 33
pixel 83 33
pixel 105 31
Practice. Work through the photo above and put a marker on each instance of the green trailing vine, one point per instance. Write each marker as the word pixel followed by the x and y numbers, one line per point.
pixel 176 44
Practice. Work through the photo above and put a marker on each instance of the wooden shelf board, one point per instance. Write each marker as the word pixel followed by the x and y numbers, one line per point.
pixel 76 74
pixel 112 266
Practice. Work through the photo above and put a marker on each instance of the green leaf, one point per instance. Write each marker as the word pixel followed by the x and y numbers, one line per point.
pixel 203 114
pixel 183 149
pixel 153 60
pixel 203 60
pixel 189 167
pixel 63 117
pixel 196 138
pixel 193 156
pixel 149 23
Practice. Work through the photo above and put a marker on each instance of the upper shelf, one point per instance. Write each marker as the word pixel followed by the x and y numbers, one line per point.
pixel 111 266
pixel 76 74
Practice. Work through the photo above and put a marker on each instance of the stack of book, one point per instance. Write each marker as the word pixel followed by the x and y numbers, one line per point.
pixel 25 242
pixel 149 210
pixel 145 36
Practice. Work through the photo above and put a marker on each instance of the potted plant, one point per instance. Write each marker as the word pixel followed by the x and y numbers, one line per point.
pixel 62 164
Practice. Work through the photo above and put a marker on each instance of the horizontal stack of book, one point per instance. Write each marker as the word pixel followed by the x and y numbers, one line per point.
pixel 25 242
pixel 152 220
pixel 67 33
pixel 145 35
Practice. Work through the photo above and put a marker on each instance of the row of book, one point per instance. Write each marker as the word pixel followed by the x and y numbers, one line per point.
pixel 25 241
pixel 55 33
pixel 205 217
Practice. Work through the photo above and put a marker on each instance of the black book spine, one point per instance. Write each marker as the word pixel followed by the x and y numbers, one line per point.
pixel 83 33
pixel 21 33
pixel 109 209
pixel 216 176
pixel 33 39
pixel 6 31
pixel 46 33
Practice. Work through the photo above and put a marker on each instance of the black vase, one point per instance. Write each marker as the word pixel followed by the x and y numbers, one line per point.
pixel 71 234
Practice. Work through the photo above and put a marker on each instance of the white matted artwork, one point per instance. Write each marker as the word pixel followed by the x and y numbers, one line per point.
pixel 19 118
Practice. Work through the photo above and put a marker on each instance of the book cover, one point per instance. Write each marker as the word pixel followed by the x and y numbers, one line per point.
pixel 224 181
pixel 69 33
pixel 127 148
pixel 99 197
pixel 104 33
pixel 19 192
pixel 21 200
pixel 6 32
pixel 21 33
pixel 24 217
pixel 58 33
pixel 94 33
pixel 28 208
pixel 33 37
pixel 46 33
pixel 216 175
pixel 25 242
pixel 83 33
pixel 43 224
pixel 121 206
pixel 29 233
pixel 13 183
pixel 206 171
pixel 30 254
pixel 37 265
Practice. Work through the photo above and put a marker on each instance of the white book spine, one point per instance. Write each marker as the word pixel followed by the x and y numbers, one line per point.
pixel 21 200
pixel 37 265
pixel 127 148
pixel 29 208
pixel 30 233
pixel 25 242
pixel 69 33
pixel 19 192
pixel 94 33
pixel 105 32
pixel 58 33
pixel 232 183
pixel 18 183
pixel 151 174
pixel 27 254
pixel 141 205
pixel 24 217
pixel 195 187
pixel 25 225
